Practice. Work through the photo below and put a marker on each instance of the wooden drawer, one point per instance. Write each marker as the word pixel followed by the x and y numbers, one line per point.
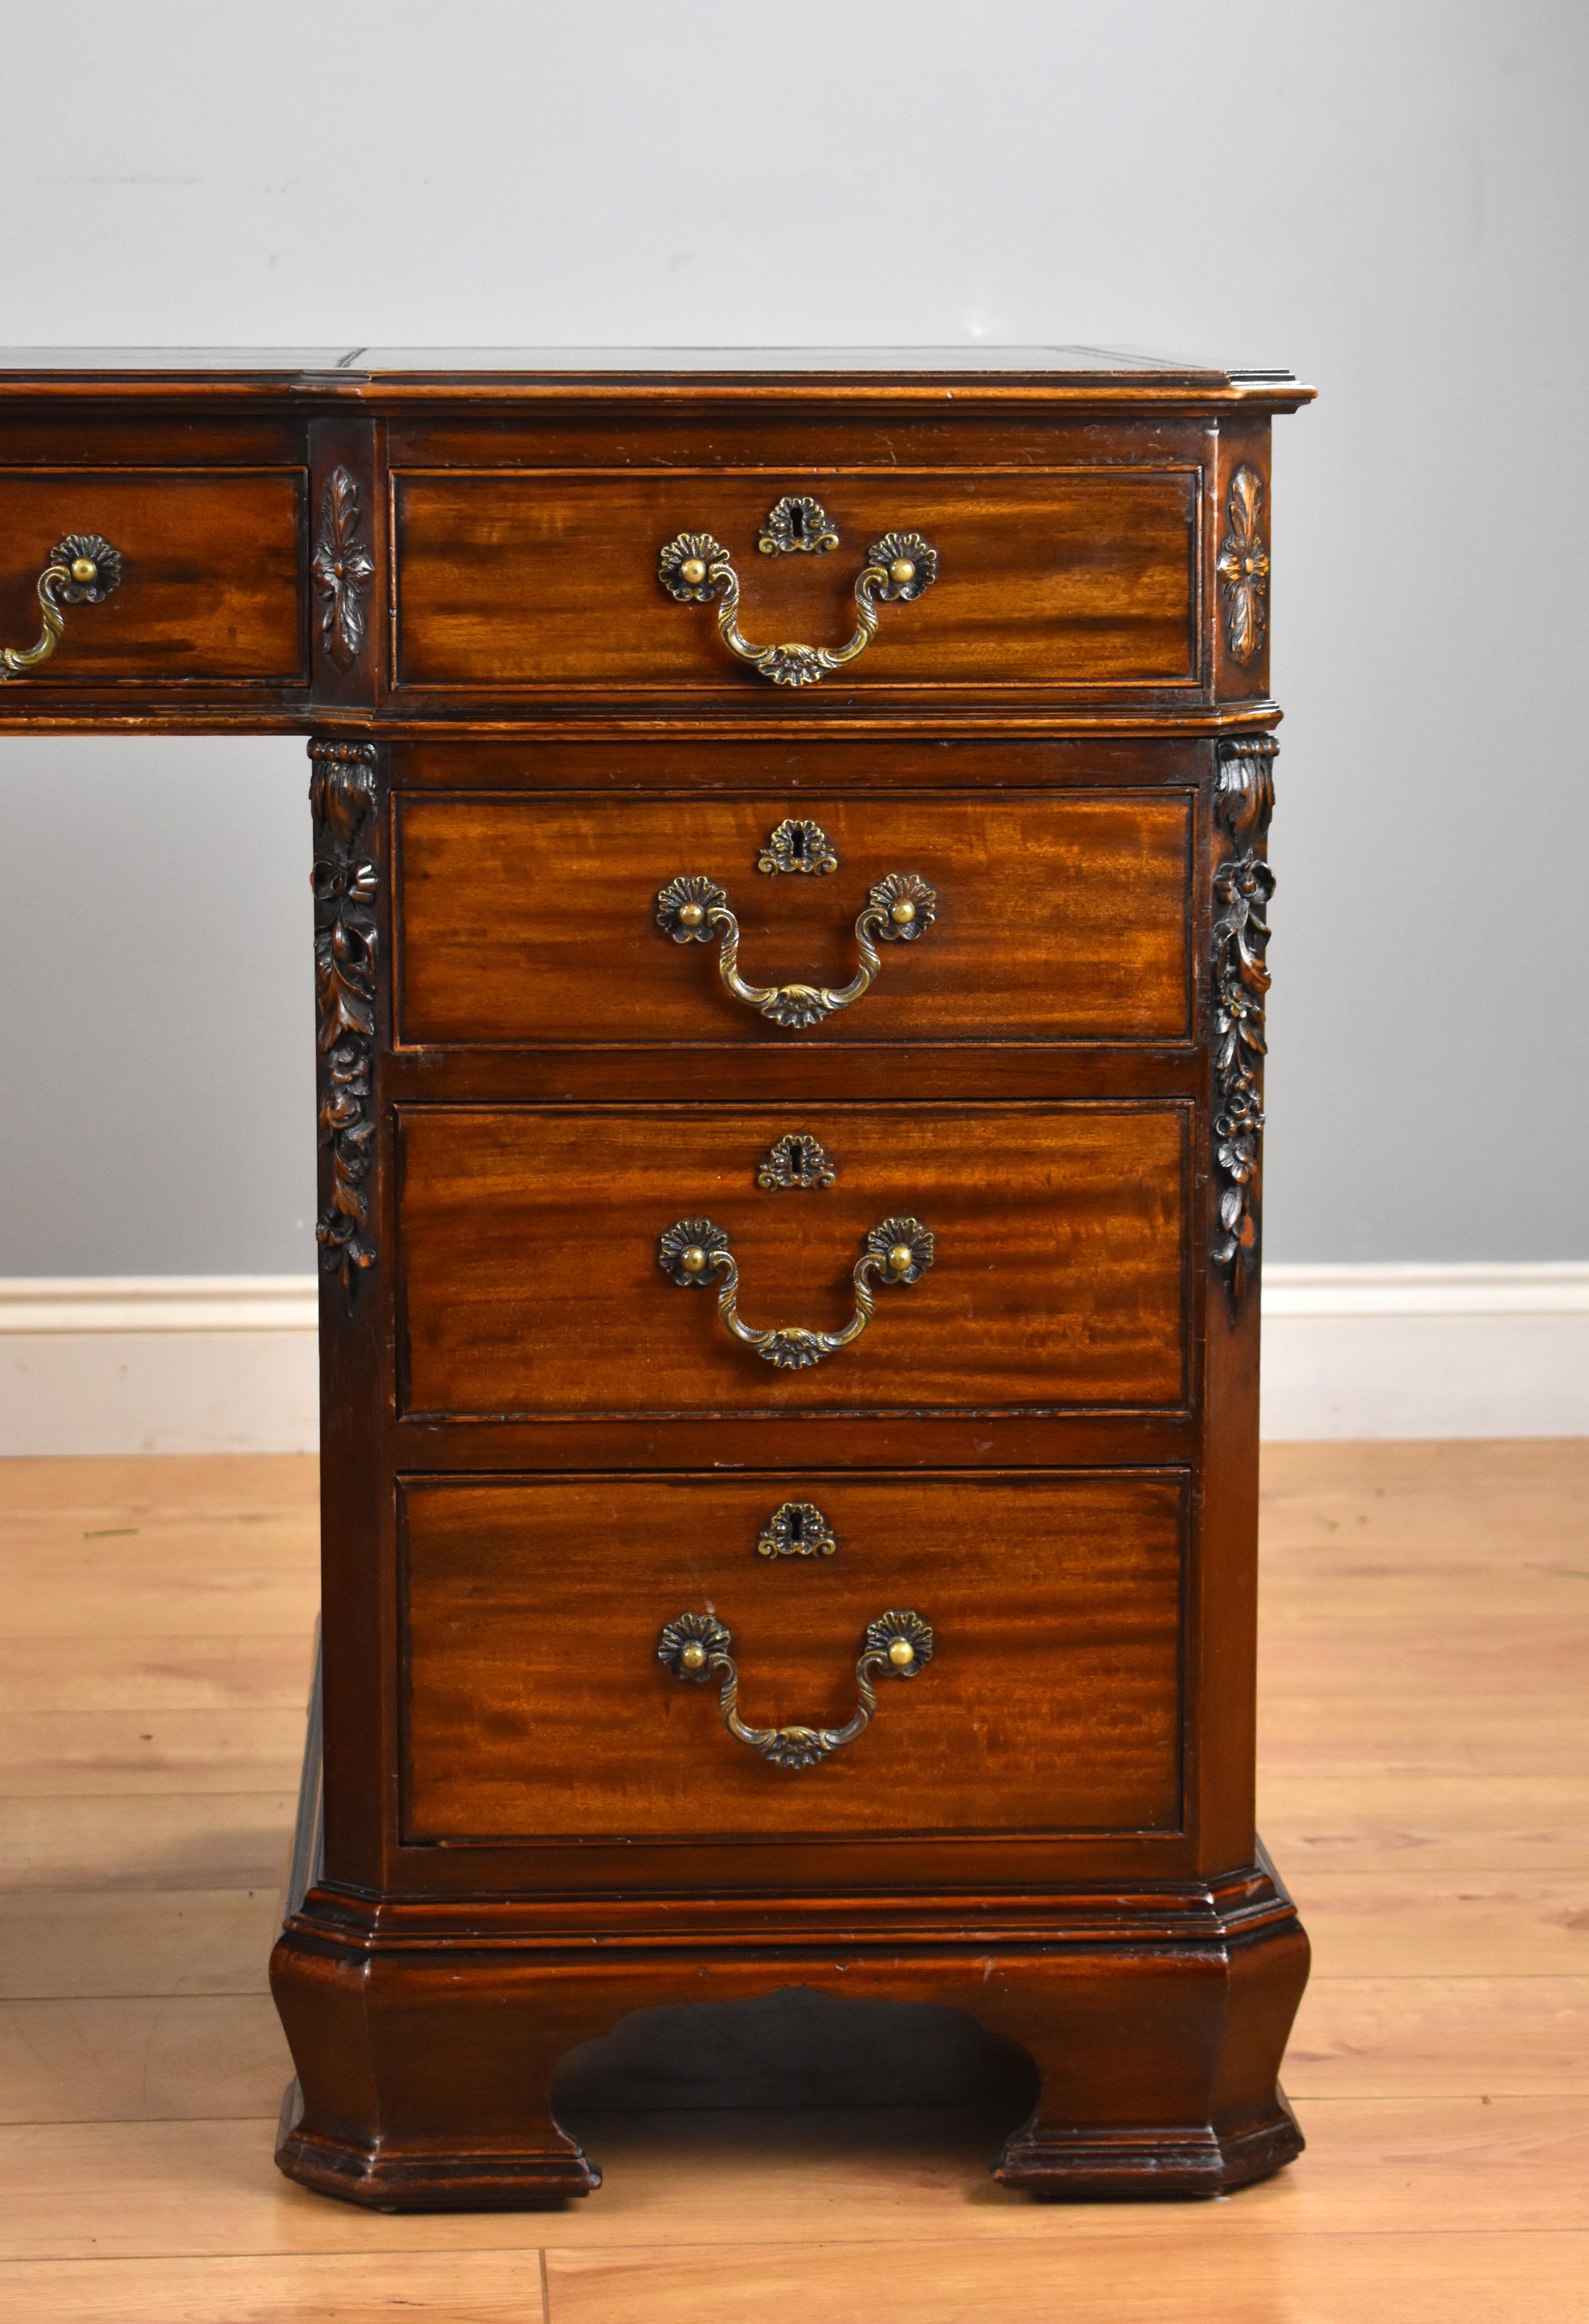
pixel 532 921
pixel 531 1287
pixel 213 573
pixel 535 1704
pixel 1071 578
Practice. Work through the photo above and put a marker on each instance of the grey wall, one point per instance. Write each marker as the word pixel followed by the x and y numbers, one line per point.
pixel 1390 198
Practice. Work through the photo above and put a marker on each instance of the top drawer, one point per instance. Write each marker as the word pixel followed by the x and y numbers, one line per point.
pixel 1073 579
pixel 212 582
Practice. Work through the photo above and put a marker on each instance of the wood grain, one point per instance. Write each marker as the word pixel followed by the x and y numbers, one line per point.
pixel 1375 1923
pixel 509 580
pixel 1055 1604
pixel 532 1286
pixel 1057 920
pixel 53 1753
pixel 1375 2166
pixel 151 2057
pixel 72 1944
pixel 236 1840
pixel 1508 2279
pixel 212 585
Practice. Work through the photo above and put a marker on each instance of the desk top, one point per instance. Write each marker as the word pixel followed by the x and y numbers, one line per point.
pixel 958 374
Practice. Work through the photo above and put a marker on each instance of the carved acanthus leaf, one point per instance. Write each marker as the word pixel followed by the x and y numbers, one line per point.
pixel 343 570
pixel 343 799
pixel 1243 567
pixel 1242 886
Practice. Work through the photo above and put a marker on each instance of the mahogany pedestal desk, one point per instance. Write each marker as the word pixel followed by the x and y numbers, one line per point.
pixel 789 1123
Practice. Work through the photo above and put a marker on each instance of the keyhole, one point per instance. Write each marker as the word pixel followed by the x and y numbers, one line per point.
pixel 797 1528
pixel 797 521
pixel 797 1159
pixel 797 844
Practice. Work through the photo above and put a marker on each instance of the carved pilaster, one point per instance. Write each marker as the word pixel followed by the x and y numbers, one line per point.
pixel 1244 801
pixel 343 798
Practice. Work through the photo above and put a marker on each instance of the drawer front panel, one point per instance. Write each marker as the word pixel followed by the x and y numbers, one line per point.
pixel 535 1704
pixel 530 921
pixel 531 1285
pixel 1064 578
pixel 213 573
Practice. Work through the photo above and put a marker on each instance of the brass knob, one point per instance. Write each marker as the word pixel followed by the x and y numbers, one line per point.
pixel 902 570
pixel 690 916
pixel 694 1259
pixel 902 913
pixel 694 1656
pixel 693 570
pixel 899 1258
pixel 83 568
pixel 901 1654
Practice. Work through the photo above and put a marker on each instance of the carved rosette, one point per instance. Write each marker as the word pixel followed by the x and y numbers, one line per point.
pixel 343 570
pixel 1243 885
pixel 343 798
pixel 1243 567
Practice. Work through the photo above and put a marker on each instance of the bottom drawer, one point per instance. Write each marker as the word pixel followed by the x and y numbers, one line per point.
pixel 535 1703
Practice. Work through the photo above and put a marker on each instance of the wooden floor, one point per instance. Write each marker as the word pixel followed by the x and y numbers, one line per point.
pixel 1425 1790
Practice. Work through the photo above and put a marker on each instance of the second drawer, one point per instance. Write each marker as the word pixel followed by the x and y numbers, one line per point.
pixel 1045 917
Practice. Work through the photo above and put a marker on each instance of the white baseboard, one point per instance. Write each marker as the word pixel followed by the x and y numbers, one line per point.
pixel 226 1363
pixel 1389 1351
pixel 159 1363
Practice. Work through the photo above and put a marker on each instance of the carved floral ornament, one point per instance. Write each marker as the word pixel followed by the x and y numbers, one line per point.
pixel 1243 567
pixel 1242 886
pixel 342 794
pixel 343 570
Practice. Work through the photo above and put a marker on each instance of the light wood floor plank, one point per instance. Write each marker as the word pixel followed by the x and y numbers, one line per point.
pixel 1430 1824
pixel 75 1944
pixel 126 1672
pixel 121 1489
pixel 194 1594
pixel 219 1840
pixel 483 2287
pixel 1472 1734
pixel 196 2189
pixel 1464 2037
pixel 1508 1501
pixel 48 1754
pixel 1413 2278
pixel 1409 1924
pixel 148 2058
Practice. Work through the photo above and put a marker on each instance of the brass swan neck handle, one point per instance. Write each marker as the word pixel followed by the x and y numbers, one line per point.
pixel 695 1250
pixel 897 1644
pixel 83 569
pixel 899 907
pixel 695 568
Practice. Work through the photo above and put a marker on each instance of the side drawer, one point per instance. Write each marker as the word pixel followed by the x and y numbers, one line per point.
pixel 214 564
pixel 534 1703
pixel 532 921
pixel 534 1283
pixel 1074 580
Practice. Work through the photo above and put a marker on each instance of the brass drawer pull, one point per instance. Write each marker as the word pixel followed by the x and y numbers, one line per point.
pixel 898 1645
pixel 83 570
pixel 899 907
pixel 693 1250
pixel 693 567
